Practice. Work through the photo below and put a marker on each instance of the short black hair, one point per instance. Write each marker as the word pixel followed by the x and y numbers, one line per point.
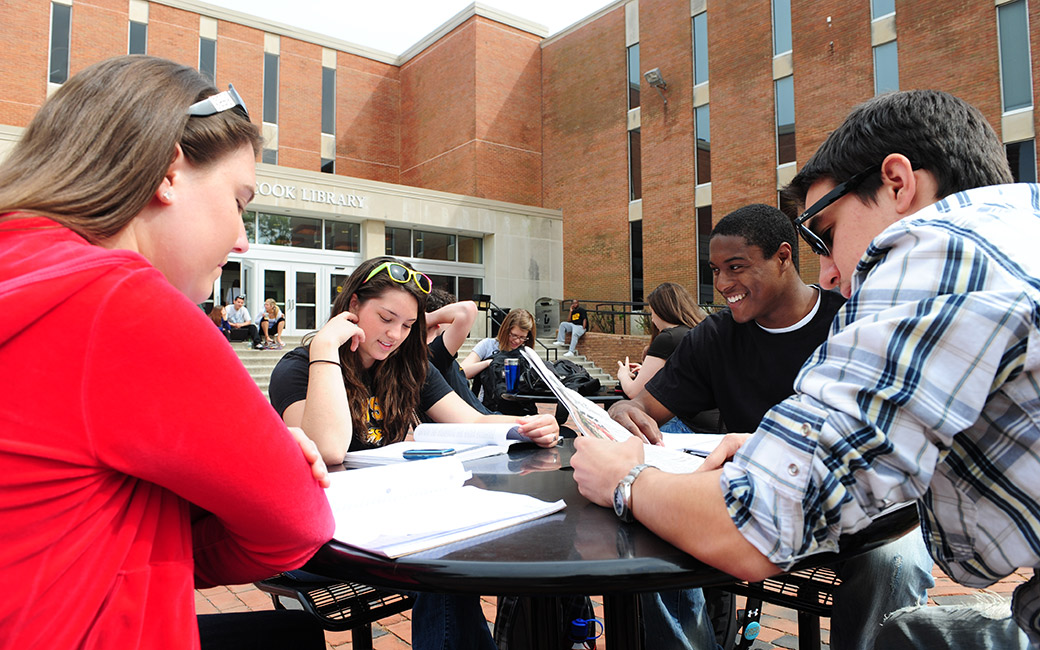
pixel 439 298
pixel 936 131
pixel 760 225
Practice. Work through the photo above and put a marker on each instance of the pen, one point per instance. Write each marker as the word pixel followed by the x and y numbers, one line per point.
pixel 695 452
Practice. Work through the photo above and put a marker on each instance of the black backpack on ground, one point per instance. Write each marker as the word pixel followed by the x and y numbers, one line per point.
pixel 576 377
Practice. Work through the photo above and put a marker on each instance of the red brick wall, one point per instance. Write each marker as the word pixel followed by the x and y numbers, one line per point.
pixel 368 119
pixel 23 70
pixel 173 34
pixel 585 168
pixel 508 114
pixel 438 123
pixel 605 350
pixel 100 29
pixel 669 223
pixel 299 105
pixel 240 60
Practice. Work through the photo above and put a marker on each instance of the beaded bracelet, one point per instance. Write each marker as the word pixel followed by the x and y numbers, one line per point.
pixel 335 363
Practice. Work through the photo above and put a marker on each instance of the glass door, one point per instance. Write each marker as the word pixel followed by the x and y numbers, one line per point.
pixel 295 289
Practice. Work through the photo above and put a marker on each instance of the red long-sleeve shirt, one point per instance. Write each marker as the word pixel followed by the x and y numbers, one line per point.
pixel 137 457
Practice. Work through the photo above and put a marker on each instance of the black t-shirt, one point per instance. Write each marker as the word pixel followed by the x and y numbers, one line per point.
pixel 665 342
pixel 439 355
pixel 289 385
pixel 738 368
pixel 580 317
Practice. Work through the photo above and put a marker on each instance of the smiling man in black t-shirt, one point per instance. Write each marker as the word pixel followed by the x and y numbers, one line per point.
pixel 743 361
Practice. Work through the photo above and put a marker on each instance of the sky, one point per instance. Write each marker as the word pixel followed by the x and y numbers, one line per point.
pixel 393 26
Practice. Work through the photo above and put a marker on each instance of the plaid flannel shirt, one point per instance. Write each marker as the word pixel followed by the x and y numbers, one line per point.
pixel 927 389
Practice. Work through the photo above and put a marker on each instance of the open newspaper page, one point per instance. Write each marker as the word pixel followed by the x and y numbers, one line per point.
pixel 592 420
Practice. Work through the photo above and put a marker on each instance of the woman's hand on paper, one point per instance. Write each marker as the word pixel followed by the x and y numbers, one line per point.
pixel 729 445
pixel 541 429
pixel 310 453
pixel 636 421
pixel 599 465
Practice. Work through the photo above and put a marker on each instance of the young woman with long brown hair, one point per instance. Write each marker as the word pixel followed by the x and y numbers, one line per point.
pixel 119 489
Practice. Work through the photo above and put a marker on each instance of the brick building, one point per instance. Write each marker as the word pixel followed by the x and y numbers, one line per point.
pixel 503 160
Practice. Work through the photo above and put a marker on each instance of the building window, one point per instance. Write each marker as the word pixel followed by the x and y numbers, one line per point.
pixel 342 236
pixel 270 88
pixel 700 48
pixel 398 242
pixel 781 26
pixel 282 230
pixel 430 245
pixel 785 152
pixel 469 287
pixel 879 8
pixel 61 24
pixel 328 166
pixel 1022 159
pixel 269 156
pixel 635 239
pixel 249 221
pixel 1013 34
pixel 433 245
pixel 705 279
pixel 138 38
pixel 702 117
pixel 635 168
pixel 328 101
pixel 886 68
pixel 471 249
pixel 208 58
pixel 633 76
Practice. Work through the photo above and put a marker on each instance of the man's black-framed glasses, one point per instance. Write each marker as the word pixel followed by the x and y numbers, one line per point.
pixel 219 103
pixel 821 243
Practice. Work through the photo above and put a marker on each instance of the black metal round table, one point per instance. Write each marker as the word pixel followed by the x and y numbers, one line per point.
pixel 582 550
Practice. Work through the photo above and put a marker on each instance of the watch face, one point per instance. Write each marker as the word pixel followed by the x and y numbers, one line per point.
pixel 619 502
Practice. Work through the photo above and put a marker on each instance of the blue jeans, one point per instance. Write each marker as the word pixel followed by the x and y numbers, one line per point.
pixel 984 626
pixel 888 578
pixel 449 622
pixel 575 330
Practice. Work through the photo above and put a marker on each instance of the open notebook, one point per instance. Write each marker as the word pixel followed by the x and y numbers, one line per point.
pixel 400 509
pixel 591 420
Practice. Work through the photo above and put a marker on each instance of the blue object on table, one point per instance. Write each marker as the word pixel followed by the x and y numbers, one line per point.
pixel 512 366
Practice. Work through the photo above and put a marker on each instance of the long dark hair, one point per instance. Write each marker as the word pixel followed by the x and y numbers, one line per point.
pixel 672 303
pixel 398 380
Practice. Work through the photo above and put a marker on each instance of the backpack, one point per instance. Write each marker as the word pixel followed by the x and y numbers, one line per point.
pixel 493 381
pixel 576 377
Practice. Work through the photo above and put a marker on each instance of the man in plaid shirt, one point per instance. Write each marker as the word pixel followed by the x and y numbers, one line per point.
pixel 927 388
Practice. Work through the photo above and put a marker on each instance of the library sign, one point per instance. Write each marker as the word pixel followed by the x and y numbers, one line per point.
pixel 311 195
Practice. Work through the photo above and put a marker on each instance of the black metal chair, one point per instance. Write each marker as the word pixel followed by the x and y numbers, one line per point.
pixel 338 605
pixel 810 592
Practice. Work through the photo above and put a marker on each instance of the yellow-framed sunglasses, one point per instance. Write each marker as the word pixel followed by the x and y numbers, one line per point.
pixel 402 274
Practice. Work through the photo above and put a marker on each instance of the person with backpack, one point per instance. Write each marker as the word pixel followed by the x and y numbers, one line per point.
pixel 517 329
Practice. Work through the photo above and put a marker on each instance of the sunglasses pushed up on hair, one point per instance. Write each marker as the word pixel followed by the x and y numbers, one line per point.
pixel 402 274
pixel 227 100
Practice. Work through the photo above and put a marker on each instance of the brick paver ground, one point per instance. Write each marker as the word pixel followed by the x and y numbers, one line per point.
pixel 394 632
pixel 779 626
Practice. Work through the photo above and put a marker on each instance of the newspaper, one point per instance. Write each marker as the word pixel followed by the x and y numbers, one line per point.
pixel 592 420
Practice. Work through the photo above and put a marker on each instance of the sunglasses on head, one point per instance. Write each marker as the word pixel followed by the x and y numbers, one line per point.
pixel 402 274
pixel 227 100
pixel 821 243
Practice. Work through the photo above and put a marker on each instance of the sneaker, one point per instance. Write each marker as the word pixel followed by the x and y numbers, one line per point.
pixel 258 346
pixel 277 346
pixel 568 353
pixel 559 344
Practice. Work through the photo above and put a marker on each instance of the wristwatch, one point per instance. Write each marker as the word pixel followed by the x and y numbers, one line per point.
pixel 623 494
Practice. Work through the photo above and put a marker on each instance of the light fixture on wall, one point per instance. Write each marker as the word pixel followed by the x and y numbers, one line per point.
pixel 656 79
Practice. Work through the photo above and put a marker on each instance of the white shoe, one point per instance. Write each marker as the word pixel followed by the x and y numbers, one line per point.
pixel 568 353
pixel 559 344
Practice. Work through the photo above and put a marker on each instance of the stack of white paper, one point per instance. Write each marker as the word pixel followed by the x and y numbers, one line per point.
pixel 469 441
pixel 405 508
pixel 591 420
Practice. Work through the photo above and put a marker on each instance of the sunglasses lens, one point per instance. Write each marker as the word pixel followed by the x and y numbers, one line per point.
pixel 424 282
pixel 398 272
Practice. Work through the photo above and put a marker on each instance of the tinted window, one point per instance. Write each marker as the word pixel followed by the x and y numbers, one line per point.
pixel 208 58
pixel 61 19
pixel 270 88
pixel 633 76
pixel 886 68
pixel 328 100
pixel 138 38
